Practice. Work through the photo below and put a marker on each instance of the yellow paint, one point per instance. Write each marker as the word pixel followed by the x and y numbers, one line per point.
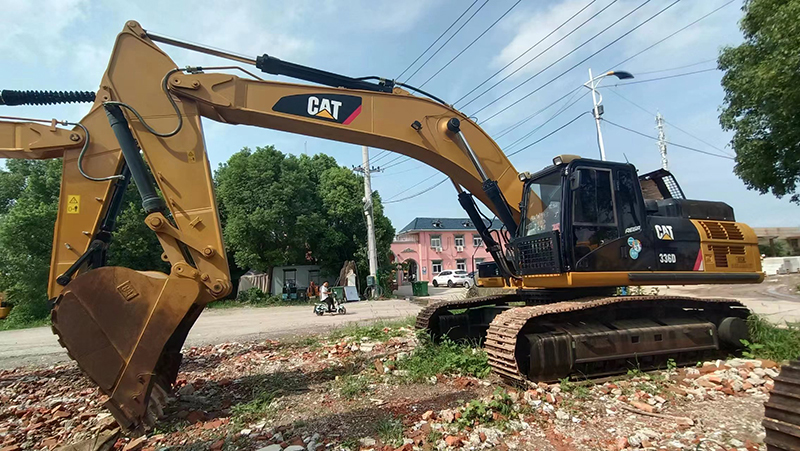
pixel 73 204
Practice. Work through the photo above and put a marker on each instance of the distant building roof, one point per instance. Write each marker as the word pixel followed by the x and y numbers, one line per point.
pixel 448 224
pixel 777 232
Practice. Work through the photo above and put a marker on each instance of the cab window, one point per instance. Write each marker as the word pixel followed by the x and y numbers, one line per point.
pixel 594 220
pixel 543 207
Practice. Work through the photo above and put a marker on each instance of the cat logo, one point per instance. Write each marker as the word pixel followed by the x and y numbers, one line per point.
pixel 339 108
pixel 326 108
pixel 664 232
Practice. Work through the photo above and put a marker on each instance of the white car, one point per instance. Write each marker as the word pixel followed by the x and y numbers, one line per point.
pixel 452 279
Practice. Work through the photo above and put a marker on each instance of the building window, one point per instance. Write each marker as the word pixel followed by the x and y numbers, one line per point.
pixel 459 241
pixel 461 264
pixel 436 266
pixel 436 241
pixel 478 260
pixel 477 241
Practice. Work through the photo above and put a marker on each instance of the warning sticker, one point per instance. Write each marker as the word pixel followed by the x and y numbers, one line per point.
pixel 73 204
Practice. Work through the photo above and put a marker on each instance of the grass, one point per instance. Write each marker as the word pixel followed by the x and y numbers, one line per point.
pixel 377 331
pixel 263 392
pixel 446 357
pixel 390 431
pixel 480 412
pixel 768 341
pixel 13 323
pixel 580 390
pixel 351 386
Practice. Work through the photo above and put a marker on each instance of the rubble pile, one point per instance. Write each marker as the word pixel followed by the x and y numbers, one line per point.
pixel 273 396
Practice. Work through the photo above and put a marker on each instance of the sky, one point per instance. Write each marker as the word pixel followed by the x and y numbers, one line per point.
pixel 65 45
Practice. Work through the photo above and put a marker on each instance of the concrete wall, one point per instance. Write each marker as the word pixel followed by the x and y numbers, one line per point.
pixel 302 278
pixel 780 265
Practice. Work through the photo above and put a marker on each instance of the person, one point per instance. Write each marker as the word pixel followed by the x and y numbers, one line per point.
pixel 325 295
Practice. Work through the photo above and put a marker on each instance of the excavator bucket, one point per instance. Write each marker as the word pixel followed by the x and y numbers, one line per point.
pixel 125 329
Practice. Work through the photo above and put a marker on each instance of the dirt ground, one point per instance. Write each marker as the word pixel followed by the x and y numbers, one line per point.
pixel 344 393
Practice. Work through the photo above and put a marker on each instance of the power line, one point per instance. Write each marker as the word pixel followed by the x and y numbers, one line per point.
pixel 389 200
pixel 614 91
pixel 568 105
pixel 403 171
pixel 526 51
pixel 548 48
pixel 470 44
pixel 448 40
pixel 512 127
pixel 437 40
pixel 380 156
pixel 564 56
pixel 425 191
pixel 396 164
pixel 549 134
pixel 393 160
pixel 668 142
pixel 675 68
pixel 669 36
pixel 662 78
pixel 580 62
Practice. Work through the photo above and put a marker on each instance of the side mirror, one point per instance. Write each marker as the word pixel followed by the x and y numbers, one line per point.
pixel 575 180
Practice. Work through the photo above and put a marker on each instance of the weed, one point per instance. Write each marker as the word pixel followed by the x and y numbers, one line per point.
pixel 263 393
pixel 390 431
pixel 580 390
pixel 430 359
pixel 434 437
pixel 378 331
pixel 771 342
pixel 478 411
pixel 350 386
pixel 671 365
pixel 12 323
pixel 351 444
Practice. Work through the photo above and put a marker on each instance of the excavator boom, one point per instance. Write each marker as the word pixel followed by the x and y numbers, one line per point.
pixel 125 328
pixel 573 232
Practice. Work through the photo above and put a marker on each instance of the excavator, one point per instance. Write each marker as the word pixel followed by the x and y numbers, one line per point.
pixel 572 234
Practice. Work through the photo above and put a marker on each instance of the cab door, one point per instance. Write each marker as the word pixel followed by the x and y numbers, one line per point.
pixel 607 230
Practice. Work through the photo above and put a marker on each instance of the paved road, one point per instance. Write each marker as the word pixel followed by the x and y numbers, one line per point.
pixel 38 346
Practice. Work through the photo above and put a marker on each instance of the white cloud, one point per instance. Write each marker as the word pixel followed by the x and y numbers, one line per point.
pixel 31 30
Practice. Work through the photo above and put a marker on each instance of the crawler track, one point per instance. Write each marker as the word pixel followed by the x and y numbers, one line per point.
pixel 506 328
pixel 782 411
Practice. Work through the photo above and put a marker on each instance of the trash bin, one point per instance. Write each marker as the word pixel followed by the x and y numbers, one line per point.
pixel 338 292
pixel 419 288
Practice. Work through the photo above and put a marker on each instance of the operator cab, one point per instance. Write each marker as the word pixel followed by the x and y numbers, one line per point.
pixel 589 215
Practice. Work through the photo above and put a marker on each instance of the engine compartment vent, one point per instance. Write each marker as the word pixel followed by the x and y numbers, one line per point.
pixel 721 253
pixel 716 230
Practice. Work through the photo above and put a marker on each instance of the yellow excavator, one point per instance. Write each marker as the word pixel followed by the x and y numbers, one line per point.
pixel 572 233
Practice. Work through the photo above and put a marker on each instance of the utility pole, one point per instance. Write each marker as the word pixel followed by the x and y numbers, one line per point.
pixel 597 111
pixel 371 246
pixel 662 141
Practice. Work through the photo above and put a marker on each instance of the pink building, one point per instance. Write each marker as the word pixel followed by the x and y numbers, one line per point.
pixel 432 245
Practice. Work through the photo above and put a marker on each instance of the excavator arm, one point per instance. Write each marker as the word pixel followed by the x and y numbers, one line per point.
pixel 125 328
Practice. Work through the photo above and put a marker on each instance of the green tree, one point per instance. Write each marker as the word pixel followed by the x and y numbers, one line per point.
pixel 29 191
pixel 26 235
pixel 762 97
pixel 133 244
pixel 281 209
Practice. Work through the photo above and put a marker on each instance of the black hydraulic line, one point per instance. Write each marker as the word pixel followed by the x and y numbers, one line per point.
pixel 492 246
pixel 11 97
pixel 110 220
pixel 151 201
pixel 275 66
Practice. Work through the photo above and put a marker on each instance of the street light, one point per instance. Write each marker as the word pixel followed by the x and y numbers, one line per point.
pixel 597 111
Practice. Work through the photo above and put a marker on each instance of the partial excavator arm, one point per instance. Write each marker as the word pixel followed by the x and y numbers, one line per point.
pixel 126 328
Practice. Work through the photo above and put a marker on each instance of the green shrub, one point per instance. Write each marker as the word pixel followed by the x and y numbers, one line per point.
pixel 768 341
